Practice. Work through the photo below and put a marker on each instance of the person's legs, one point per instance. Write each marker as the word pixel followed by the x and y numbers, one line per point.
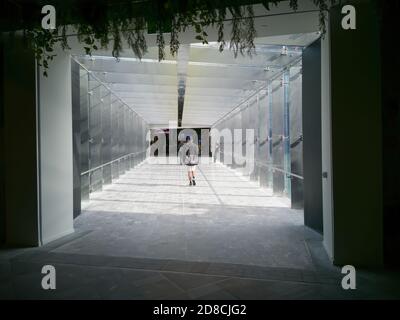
pixel 193 180
pixel 189 175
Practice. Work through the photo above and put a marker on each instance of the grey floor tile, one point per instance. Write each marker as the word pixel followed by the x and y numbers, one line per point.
pixel 206 290
pixel 191 281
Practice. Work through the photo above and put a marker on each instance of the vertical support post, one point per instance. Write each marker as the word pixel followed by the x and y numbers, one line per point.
pixel 286 130
pixel 326 144
pixel 270 144
pixel 90 93
pixel 76 131
pixel 257 142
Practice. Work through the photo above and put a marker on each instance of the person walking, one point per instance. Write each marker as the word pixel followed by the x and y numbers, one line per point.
pixel 191 159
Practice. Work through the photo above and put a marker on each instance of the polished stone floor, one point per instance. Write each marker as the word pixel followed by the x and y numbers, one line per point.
pixel 151 236
pixel 152 212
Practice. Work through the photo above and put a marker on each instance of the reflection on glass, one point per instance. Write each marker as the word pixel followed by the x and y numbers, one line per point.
pixel 113 136
pixel 274 112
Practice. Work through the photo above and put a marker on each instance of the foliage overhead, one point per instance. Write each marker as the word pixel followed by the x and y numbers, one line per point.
pixel 104 23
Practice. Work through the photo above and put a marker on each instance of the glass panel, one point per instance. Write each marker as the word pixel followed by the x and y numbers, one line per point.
pixel 106 134
pixel 263 156
pixel 270 161
pixel 115 103
pixel 277 95
pixel 286 131
pixel 126 138
pixel 251 169
pixel 136 139
pixel 84 131
pixel 95 132
pixel 111 132
pixel 296 136
pixel 96 180
pixel 241 145
pixel 121 133
pixel 236 122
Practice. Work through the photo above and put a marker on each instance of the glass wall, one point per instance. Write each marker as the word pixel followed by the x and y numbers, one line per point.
pixel 274 115
pixel 296 135
pixel 113 135
pixel 277 96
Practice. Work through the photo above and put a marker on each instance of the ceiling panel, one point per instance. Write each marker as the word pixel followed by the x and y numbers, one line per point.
pixel 215 82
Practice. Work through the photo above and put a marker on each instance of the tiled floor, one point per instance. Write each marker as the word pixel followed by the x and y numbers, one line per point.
pixel 151 236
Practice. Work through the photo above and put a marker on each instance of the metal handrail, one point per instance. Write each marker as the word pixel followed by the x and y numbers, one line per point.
pixel 110 162
pixel 272 168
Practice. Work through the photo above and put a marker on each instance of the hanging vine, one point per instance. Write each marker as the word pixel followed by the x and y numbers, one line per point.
pixel 124 23
pixel 250 31
pixel 220 27
pixel 323 8
pixel 134 35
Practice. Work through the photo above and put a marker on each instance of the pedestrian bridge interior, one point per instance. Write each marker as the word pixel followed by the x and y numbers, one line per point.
pixel 136 205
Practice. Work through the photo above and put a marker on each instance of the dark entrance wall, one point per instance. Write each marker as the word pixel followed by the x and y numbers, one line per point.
pixel 20 144
pixel 312 161
pixel 391 133
pixel 356 138
pixel 2 155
